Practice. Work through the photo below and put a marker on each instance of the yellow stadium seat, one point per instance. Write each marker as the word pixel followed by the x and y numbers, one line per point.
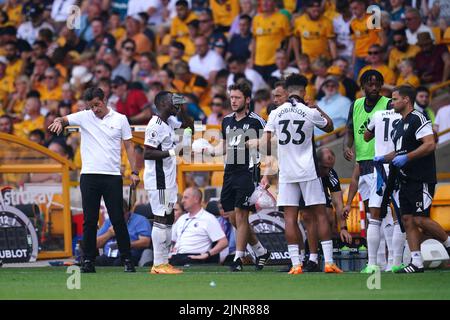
pixel 354 218
pixel 440 211
pixel 217 179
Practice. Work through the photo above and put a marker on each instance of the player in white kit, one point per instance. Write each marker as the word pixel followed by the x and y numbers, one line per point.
pixel 160 174
pixel 293 123
pixel 381 126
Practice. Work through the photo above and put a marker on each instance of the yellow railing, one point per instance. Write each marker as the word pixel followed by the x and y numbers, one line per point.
pixel 437 87
pixel 60 165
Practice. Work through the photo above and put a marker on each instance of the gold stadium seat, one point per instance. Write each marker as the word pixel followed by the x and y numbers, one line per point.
pixel 440 211
pixel 217 179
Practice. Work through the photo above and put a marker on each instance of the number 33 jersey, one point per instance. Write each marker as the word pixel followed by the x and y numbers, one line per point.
pixel 293 123
pixel 381 124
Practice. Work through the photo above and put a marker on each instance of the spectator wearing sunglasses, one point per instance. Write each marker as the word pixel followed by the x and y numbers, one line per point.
pixel 401 50
pixel 376 63
pixel 127 53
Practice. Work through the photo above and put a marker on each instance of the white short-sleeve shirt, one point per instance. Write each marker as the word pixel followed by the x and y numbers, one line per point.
pixel 196 234
pixel 101 140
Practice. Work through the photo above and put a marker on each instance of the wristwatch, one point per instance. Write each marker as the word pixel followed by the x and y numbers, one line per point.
pixel 344 228
pixel 136 173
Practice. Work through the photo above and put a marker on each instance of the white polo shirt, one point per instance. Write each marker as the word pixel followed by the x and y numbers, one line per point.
pixel 196 234
pixel 101 140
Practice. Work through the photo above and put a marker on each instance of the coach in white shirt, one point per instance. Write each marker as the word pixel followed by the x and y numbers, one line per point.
pixel 195 232
pixel 102 132
pixel 206 62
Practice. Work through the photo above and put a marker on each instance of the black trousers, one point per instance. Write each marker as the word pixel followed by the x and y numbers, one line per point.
pixel 182 259
pixel 93 187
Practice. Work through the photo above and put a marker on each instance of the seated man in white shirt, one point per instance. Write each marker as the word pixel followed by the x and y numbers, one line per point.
pixel 195 232
pixel 206 62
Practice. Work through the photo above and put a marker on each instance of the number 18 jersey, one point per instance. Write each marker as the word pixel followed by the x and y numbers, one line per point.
pixel 293 123
pixel 381 124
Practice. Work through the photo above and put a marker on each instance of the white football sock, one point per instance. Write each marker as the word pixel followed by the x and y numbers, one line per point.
pixel 388 234
pixel 446 243
pixel 398 244
pixel 313 257
pixel 381 254
pixel 327 248
pixel 417 259
pixel 238 254
pixel 293 253
pixel 258 249
pixel 168 238
pixel 302 255
pixel 373 240
pixel 160 250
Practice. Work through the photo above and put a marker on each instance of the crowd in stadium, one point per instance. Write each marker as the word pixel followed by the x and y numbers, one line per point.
pixel 50 53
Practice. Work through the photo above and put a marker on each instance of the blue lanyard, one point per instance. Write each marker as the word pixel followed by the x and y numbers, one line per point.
pixel 185 225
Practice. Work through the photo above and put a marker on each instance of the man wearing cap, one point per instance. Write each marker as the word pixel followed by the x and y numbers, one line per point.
pixel 29 30
pixel 132 102
pixel 333 104
pixel 102 133
pixel 433 61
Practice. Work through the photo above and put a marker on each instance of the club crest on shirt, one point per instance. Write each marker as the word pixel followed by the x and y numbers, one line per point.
pixel 246 126
pixel 405 126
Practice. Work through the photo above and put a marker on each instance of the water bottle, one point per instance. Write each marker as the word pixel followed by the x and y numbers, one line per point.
pixel 345 258
pixel 362 256
pixel 77 252
pixel 187 137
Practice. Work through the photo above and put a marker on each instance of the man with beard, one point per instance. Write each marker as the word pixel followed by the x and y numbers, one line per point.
pixel 241 172
pixel 358 118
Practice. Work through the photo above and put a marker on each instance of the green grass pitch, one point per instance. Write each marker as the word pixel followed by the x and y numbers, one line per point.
pixel 113 283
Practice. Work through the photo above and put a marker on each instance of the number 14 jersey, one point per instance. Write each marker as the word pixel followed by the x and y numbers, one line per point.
pixel 293 123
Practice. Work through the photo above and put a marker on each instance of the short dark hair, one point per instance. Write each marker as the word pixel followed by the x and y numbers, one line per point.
pixel 280 83
pixel 178 45
pixel 33 94
pixel 422 89
pixel 400 32
pixel 367 75
pixel 105 64
pixel 406 91
pixel 237 59
pixel 242 87
pixel 245 17
pixel 37 132
pixel 92 93
pixel 161 97
pixel 296 80
pixel 182 3
pixel 262 95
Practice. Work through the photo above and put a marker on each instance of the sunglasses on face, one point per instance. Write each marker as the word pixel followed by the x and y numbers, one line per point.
pixel 374 52
pixel 204 21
